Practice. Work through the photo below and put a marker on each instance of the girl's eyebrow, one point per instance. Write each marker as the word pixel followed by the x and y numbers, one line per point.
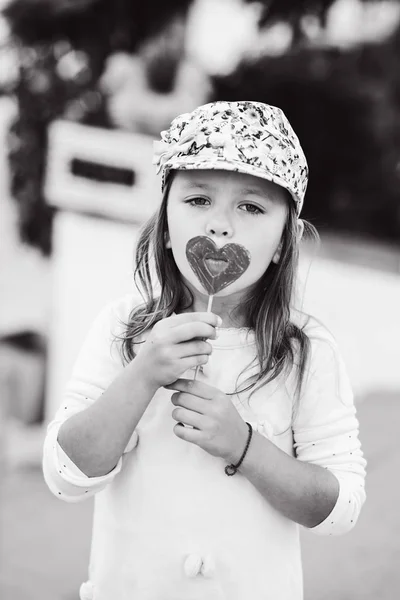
pixel 261 193
pixel 197 184
pixel 255 191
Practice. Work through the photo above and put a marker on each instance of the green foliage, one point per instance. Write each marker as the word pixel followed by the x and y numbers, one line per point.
pixel 344 106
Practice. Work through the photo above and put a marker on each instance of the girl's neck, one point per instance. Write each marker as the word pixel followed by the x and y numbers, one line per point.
pixel 227 307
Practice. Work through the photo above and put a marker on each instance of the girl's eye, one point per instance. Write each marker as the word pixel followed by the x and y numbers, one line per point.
pixel 252 208
pixel 197 201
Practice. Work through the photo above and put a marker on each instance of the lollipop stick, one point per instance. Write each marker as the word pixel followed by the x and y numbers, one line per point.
pixel 209 305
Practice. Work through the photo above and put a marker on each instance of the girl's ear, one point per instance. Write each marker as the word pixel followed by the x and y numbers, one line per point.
pixel 300 229
pixel 299 235
pixel 276 257
pixel 167 241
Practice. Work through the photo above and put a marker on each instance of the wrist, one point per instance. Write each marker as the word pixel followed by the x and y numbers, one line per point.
pixel 235 454
pixel 142 377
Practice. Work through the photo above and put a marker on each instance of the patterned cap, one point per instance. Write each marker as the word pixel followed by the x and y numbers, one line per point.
pixel 248 137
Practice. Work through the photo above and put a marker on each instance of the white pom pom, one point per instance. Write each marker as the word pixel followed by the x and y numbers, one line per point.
pixel 265 428
pixel 208 567
pixel 192 565
pixel 86 591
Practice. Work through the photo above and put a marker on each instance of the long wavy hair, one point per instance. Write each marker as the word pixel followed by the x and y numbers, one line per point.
pixel 266 308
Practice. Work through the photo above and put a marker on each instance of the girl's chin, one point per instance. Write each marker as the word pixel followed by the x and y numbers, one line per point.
pixel 231 291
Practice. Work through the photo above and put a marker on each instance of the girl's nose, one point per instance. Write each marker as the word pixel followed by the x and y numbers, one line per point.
pixel 219 229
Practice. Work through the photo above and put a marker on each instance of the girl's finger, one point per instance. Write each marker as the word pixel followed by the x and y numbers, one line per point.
pixel 188 417
pixel 194 348
pixel 189 401
pixel 194 436
pixel 193 361
pixel 206 317
pixel 194 387
pixel 190 331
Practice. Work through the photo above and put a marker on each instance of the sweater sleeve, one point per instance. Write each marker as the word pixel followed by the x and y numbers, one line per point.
pixel 97 365
pixel 326 433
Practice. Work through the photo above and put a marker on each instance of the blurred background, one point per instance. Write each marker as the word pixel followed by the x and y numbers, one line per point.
pixel 85 86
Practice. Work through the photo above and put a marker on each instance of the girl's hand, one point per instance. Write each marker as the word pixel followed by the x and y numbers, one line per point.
pixel 174 345
pixel 218 427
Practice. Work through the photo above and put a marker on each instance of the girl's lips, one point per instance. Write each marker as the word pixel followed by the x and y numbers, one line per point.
pixel 215 265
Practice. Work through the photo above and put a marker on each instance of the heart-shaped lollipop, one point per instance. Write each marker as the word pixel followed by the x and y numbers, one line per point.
pixel 216 268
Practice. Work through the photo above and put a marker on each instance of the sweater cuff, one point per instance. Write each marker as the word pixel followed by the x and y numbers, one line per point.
pixel 64 478
pixel 72 473
pixel 345 513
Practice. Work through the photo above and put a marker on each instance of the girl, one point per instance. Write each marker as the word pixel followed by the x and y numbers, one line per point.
pixel 201 484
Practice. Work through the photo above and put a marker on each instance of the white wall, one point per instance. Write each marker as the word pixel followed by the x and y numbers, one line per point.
pixel 361 307
pixel 93 264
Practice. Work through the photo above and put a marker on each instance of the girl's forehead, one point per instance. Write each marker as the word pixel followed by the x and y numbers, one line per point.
pixel 213 175
pixel 215 178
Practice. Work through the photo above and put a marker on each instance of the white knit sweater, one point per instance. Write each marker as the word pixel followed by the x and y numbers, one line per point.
pixel 168 523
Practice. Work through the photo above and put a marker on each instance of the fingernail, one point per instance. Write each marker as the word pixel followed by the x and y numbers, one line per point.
pixel 219 321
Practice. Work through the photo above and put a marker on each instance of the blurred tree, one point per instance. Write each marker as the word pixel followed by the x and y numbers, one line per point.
pixel 293 12
pixel 344 105
pixel 345 108
pixel 120 24
pixel 62 47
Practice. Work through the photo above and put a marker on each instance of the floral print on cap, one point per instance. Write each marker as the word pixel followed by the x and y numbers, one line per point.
pixel 248 137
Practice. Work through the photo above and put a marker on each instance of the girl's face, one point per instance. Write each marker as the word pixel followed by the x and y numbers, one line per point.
pixel 228 207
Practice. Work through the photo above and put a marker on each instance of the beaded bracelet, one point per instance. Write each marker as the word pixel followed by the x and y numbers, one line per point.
pixel 231 469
